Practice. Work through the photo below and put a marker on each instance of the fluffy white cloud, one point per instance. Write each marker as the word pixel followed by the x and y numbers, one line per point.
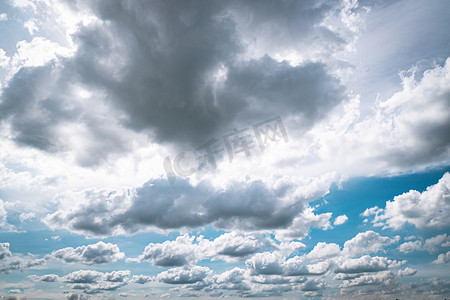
pixel 442 258
pixel 245 284
pixel 407 272
pixel 235 245
pixel 297 266
pixel 301 225
pixel 26 216
pixel 429 209
pixel 234 279
pixel 323 251
pixel 184 275
pixel 142 279
pixel 408 130
pixel 117 276
pixel 180 252
pixel 365 263
pixel 83 276
pixel 287 248
pixel 410 246
pixel 186 250
pixel 365 243
pixel 4 251
pixel 273 263
pixel 266 263
pixel 381 278
pixel 4 225
pixel 432 244
pixel 4 59
pixel 340 220
pixel 92 282
pixel 99 253
pixel 37 52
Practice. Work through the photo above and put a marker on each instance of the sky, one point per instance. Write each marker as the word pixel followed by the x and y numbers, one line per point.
pixel 265 149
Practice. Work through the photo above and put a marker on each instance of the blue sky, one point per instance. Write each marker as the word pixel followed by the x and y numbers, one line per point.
pixel 171 149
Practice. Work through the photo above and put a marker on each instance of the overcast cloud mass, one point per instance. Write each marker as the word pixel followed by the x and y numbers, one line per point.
pixel 268 149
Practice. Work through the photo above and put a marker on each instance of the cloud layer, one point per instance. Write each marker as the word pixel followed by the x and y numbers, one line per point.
pixel 103 102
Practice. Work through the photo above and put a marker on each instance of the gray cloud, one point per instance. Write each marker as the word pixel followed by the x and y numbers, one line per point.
pixel 40 102
pixel 44 278
pixel 313 285
pixel 13 265
pixel 10 262
pixel 431 287
pixel 31 113
pixel 245 205
pixel 75 296
pixel 93 282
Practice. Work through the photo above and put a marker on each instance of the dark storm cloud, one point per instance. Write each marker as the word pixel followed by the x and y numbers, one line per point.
pixel 158 62
pixel 166 73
